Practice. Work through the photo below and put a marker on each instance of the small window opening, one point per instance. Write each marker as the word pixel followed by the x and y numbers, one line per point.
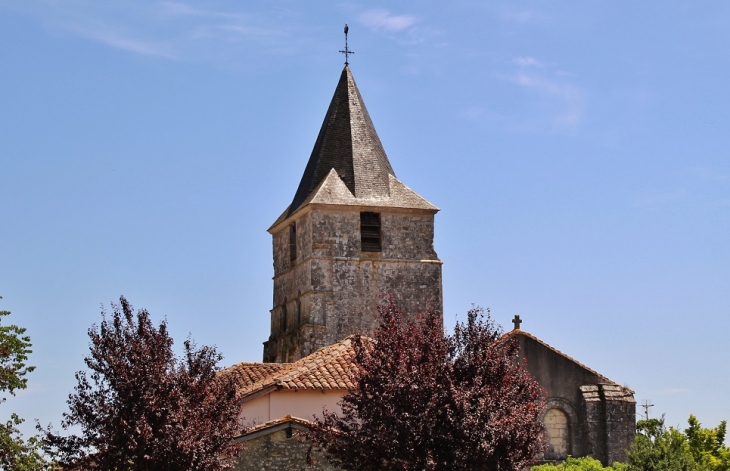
pixel 370 232
pixel 293 242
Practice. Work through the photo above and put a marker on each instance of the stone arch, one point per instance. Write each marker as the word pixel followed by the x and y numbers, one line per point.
pixel 561 427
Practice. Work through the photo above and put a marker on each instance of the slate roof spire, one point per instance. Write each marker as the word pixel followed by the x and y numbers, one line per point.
pixel 347 143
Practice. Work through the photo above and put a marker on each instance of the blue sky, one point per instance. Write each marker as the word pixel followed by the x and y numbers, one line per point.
pixel 577 150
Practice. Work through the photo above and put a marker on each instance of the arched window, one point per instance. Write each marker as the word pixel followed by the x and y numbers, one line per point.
pixel 558 434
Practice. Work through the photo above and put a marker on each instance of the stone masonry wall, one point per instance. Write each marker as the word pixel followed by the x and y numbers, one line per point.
pixel 620 422
pixel 279 451
pixel 611 417
pixel 332 289
pixel 595 420
pixel 358 286
pixel 602 414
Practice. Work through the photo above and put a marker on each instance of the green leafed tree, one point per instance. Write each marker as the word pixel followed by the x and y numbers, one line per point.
pixel 580 464
pixel 707 445
pixel 658 448
pixel 16 454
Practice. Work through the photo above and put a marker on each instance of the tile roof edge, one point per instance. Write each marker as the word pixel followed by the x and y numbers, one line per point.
pixel 280 423
pixel 258 392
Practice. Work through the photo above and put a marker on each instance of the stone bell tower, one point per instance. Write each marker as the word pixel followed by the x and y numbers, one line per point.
pixel 352 232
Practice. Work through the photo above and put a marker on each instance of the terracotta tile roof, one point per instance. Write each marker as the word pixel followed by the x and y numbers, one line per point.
pixel 517 332
pixel 296 422
pixel 327 368
pixel 247 374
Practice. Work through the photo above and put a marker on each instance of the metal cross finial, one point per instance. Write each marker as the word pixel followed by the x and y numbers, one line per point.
pixel 517 321
pixel 347 51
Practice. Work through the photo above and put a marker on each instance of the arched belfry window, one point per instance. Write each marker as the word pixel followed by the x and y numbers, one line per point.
pixel 370 232
pixel 557 427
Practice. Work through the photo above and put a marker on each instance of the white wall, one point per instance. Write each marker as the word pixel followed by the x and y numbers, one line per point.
pixel 303 404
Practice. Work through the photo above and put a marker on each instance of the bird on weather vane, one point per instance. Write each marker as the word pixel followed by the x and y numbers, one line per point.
pixel 347 51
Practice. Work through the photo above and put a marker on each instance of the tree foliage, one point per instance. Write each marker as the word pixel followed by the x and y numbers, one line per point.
pixel 14 350
pixel 16 453
pixel 428 401
pixel 143 408
pixel 579 464
pixel 658 448
pixel 707 445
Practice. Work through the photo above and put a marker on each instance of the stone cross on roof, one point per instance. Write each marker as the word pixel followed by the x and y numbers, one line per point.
pixel 517 321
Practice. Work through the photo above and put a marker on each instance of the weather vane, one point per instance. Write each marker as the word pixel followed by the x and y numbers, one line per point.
pixel 347 51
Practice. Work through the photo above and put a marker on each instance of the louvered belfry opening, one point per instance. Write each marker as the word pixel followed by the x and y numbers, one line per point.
pixel 370 232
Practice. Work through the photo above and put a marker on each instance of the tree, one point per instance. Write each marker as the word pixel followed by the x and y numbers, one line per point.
pixel 657 448
pixel 579 464
pixel 143 408
pixel 427 401
pixel 707 445
pixel 14 351
pixel 16 453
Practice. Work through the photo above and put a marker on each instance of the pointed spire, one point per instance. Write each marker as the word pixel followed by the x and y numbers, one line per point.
pixel 347 143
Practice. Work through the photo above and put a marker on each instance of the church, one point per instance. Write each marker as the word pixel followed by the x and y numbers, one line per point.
pixel 353 231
